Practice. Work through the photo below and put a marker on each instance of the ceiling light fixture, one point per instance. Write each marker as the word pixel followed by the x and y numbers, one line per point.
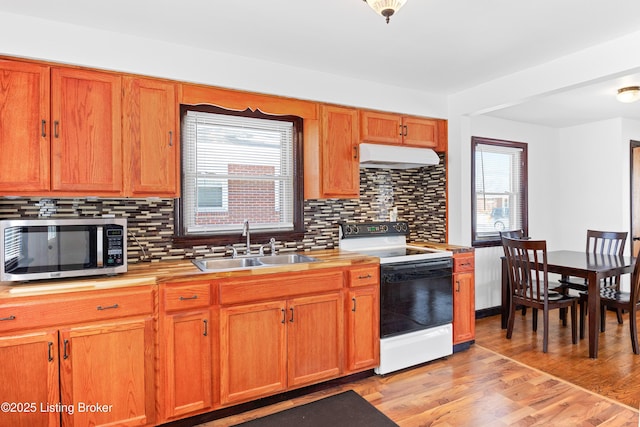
pixel 386 8
pixel 628 94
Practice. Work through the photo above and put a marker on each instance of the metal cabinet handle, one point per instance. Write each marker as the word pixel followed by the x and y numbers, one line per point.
pixel 400 126
pixel 188 298
pixel 65 349
pixel 354 304
pixel 406 130
pixel 50 351
pixel 43 130
pixel 355 151
pixel 55 129
pixel 368 276
pixel 284 315
pixel 457 285
pixel 12 317
pixel 206 327
pixel 170 138
pixel 108 307
pixel 291 320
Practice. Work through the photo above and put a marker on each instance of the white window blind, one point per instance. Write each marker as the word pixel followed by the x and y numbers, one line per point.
pixel 500 194
pixel 235 169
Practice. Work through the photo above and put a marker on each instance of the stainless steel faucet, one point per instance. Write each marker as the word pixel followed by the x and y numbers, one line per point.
pixel 245 232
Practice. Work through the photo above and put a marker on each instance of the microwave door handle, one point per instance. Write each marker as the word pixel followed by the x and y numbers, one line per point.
pixel 99 249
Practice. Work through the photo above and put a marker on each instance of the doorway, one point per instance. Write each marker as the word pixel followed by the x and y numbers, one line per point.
pixel 635 197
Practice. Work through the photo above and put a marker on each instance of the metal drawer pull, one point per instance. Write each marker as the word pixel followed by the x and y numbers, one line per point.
pixel 188 298
pixel 65 352
pixel 206 327
pixel 108 307
pixel 368 276
pixel 50 351
pixel 465 264
pixel 354 304
pixel 12 317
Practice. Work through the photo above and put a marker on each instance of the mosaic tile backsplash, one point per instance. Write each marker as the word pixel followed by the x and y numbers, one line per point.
pixel 419 195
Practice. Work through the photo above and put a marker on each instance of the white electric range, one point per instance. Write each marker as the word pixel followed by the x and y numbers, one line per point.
pixel 416 293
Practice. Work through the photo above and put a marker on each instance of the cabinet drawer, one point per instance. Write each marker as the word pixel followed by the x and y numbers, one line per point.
pixel 364 276
pixel 74 308
pixel 463 262
pixel 182 297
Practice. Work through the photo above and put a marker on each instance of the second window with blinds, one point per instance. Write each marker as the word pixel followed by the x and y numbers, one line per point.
pixel 237 167
pixel 499 189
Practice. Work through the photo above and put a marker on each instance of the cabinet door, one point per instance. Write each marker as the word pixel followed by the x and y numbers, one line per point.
pixel 381 127
pixel 29 372
pixel 340 164
pixel 363 328
pixel 86 133
pixel 24 128
pixel 315 338
pixel 111 366
pixel 420 132
pixel 187 355
pixel 151 143
pixel 464 322
pixel 253 351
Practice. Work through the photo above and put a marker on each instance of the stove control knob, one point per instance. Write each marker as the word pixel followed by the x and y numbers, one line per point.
pixel 384 228
pixel 404 227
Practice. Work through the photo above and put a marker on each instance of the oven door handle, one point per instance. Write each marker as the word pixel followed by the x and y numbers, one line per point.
pixel 431 265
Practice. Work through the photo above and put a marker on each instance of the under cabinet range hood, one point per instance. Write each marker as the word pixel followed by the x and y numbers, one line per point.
pixel 396 157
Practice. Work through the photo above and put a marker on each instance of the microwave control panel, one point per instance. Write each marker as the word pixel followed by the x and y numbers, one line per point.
pixel 114 243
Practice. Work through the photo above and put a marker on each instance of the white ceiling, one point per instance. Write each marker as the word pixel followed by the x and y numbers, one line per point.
pixel 437 46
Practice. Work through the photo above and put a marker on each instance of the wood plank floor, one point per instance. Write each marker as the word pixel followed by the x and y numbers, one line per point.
pixel 500 382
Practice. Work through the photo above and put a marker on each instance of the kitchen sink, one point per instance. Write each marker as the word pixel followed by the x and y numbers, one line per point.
pixel 245 263
pixel 286 259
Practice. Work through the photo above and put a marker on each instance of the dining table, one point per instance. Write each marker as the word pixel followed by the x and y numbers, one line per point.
pixel 592 267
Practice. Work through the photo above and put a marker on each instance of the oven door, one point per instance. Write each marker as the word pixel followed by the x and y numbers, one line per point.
pixel 415 296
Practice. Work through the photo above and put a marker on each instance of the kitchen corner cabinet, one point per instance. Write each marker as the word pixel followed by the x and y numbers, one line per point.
pixel 464 321
pixel 291 335
pixel 395 129
pixel 76 350
pixel 150 138
pixel 363 318
pixel 186 346
pixel 332 168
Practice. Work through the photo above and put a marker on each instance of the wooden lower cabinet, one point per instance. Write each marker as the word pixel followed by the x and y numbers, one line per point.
pixel 107 373
pixel 187 352
pixel 268 347
pixel 95 367
pixel 464 321
pixel 30 381
pixel 363 328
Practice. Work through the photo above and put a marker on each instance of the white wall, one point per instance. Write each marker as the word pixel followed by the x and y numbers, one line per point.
pixel 46 40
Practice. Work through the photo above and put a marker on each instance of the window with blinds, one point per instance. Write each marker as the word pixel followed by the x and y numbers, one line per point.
pixel 237 168
pixel 499 189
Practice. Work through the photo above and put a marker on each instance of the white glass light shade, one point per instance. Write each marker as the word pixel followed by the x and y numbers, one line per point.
pixel 386 8
pixel 629 94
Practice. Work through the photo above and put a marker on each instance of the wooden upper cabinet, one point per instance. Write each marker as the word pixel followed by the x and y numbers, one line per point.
pixel 86 132
pixel 388 128
pixel 340 162
pixel 150 138
pixel 24 127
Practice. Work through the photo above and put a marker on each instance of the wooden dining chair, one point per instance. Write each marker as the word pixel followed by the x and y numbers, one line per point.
pixel 514 234
pixel 610 297
pixel 527 267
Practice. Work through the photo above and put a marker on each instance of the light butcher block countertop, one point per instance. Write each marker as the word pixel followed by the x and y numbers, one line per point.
pixel 144 274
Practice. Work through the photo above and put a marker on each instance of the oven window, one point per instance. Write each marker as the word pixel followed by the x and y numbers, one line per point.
pixel 413 299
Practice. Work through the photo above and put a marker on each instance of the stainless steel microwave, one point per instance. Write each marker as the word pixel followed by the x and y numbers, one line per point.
pixel 33 249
